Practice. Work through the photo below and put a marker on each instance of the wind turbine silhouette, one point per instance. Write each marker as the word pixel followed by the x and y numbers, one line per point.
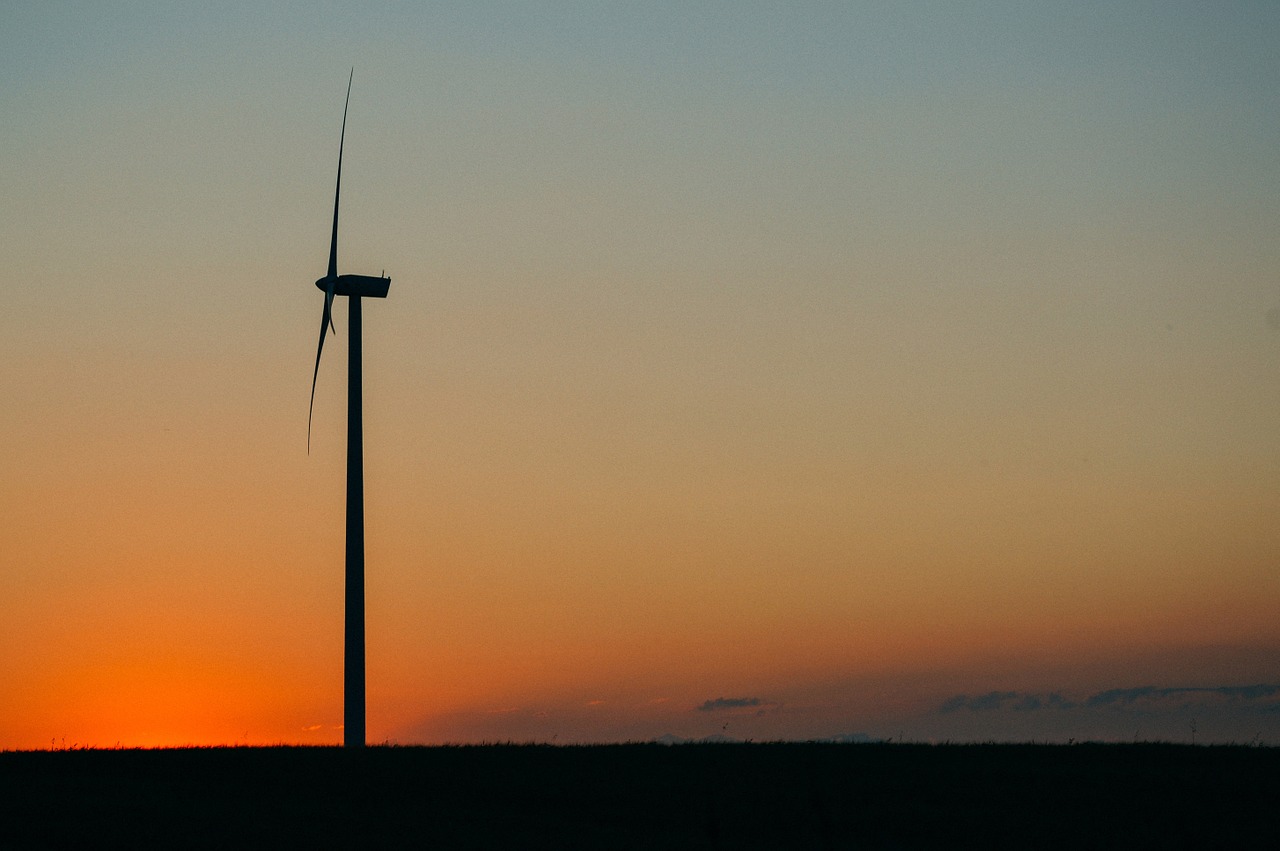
pixel 354 287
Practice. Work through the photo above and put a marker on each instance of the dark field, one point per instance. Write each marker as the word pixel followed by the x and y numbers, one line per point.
pixel 648 796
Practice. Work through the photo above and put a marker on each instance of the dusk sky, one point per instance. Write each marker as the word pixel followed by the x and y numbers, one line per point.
pixel 771 370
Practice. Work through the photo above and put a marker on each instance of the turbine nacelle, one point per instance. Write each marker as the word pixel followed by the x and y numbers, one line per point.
pixel 364 286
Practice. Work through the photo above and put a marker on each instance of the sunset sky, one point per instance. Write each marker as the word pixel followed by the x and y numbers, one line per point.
pixel 768 370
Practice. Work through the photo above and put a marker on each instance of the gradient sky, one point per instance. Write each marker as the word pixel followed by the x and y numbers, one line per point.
pixel 758 369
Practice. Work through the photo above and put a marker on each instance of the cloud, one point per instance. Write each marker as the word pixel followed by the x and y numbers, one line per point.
pixel 672 739
pixel 981 703
pixel 1017 701
pixel 730 703
pixel 1250 692
pixel 1120 695
pixel 1053 700
pixel 850 739
pixel 1144 695
pixel 1258 696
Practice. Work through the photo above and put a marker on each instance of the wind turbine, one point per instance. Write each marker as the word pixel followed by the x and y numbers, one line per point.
pixel 354 287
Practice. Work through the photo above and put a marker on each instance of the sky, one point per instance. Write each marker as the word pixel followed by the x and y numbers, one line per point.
pixel 772 371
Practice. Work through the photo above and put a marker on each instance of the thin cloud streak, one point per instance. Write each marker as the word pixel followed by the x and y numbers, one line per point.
pixel 1006 699
pixel 721 703
pixel 1252 696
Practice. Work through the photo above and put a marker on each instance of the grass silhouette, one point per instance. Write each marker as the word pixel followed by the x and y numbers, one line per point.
pixel 772 795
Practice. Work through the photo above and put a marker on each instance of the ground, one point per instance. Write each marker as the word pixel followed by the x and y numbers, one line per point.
pixel 781 795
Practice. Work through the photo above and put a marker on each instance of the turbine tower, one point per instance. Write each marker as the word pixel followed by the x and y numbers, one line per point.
pixel 354 287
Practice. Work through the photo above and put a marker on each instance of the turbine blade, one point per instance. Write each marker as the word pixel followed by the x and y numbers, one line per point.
pixel 326 322
pixel 328 305
pixel 337 192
